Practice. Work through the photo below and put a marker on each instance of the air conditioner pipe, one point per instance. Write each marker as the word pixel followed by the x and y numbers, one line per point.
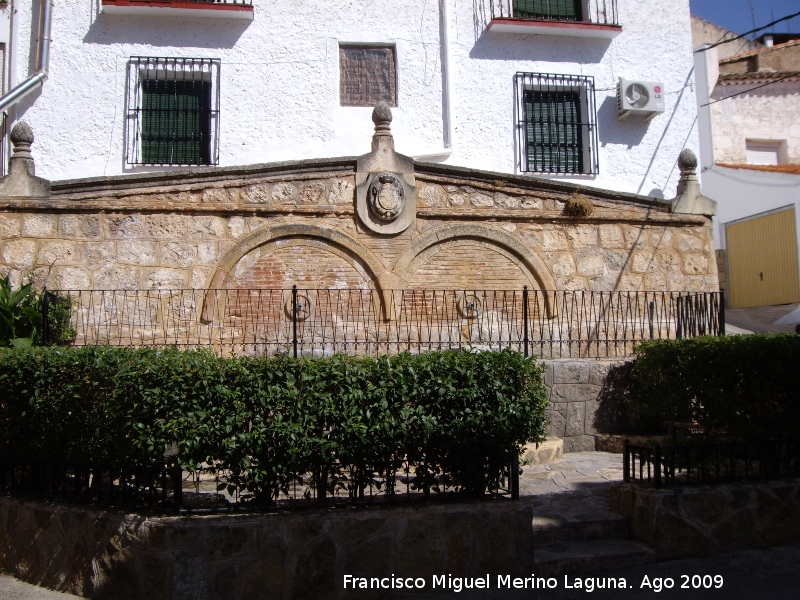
pixel 42 60
pixel 447 84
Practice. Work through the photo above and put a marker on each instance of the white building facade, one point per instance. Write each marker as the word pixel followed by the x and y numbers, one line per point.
pixel 749 125
pixel 513 86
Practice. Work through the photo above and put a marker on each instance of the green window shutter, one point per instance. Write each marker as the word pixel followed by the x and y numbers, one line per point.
pixel 565 10
pixel 176 122
pixel 553 132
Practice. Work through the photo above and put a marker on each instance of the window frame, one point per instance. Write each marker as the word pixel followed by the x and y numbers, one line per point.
pixel 178 70
pixel 550 83
pixel 368 46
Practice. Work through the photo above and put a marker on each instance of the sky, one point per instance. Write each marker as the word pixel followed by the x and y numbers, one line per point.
pixel 739 15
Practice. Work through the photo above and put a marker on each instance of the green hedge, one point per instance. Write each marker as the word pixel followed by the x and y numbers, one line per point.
pixel 272 420
pixel 742 386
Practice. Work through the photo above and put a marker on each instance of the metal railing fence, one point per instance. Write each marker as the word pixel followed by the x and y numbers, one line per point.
pixel 167 488
pixel 603 12
pixel 318 322
pixel 661 466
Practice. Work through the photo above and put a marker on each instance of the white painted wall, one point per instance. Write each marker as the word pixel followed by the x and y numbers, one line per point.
pixel 767 113
pixel 280 84
pixel 742 193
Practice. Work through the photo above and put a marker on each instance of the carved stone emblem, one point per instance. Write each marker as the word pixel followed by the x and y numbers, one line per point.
pixel 386 197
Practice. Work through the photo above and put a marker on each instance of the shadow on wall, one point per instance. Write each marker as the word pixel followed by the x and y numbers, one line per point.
pixel 616 413
pixel 541 48
pixel 611 130
pixel 194 32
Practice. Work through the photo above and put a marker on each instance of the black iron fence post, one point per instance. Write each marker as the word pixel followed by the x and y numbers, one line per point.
pixel 513 478
pixel 294 319
pixel 525 328
pixel 657 465
pixel 626 462
pixel 722 312
pixel 177 487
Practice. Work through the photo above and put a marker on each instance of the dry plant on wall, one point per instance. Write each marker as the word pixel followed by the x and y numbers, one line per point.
pixel 578 205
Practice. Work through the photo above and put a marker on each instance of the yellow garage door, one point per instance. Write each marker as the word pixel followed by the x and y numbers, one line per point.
pixel 762 260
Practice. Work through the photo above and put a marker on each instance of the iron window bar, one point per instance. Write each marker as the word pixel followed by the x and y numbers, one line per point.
pixel 172 111
pixel 602 12
pixel 556 124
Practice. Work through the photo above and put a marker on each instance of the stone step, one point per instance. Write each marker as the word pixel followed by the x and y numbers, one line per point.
pixel 598 526
pixel 551 450
pixel 564 558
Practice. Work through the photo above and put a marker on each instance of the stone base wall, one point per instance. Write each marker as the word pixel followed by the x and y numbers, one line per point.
pixel 106 554
pixel 574 387
pixel 705 520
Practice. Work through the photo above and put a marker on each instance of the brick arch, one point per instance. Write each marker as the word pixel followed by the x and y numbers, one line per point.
pixel 532 266
pixel 349 249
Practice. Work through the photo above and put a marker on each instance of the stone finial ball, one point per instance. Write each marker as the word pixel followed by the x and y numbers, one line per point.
pixel 21 134
pixel 687 160
pixel 382 113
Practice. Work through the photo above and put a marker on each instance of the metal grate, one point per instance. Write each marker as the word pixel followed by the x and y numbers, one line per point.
pixel 368 74
pixel 660 466
pixel 221 487
pixel 556 124
pixel 318 322
pixel 172 111
pixel 601 12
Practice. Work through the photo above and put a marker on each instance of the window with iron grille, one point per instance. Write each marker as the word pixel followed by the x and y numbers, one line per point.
pixel 367 75
pixel 172 111
pixel 557 124
pixel 561 10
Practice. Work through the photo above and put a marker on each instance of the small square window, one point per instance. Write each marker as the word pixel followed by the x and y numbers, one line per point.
pixel 763 152
pixel 367 75
pixel 173 111
pixel 556 124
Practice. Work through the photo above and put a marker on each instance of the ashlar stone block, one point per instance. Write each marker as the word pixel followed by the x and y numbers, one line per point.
pixel 695 264
pixel 117 277
pixel 169 227
pixel 563 265
pixel 9 226
pixel 178 254
pixel 571 371
pixel 644 262
pixel 139 253
pixel 59 252
pixel 164 279
pixel 80 226
pixel 125 226
pixel 35 226
pixel 582 236
pixel 72 278
pixel 688 243
pixel 98 254
pixel 203 227
pixel 591 264
pixel 20 254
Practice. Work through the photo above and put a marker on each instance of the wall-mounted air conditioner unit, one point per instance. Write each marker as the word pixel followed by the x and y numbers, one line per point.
pixel 644 98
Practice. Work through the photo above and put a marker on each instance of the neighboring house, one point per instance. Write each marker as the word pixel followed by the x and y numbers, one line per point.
pixel 749 123
pixel 513 86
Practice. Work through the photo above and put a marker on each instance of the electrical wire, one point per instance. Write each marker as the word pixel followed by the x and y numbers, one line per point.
pixel 745 34
pixel 758 87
